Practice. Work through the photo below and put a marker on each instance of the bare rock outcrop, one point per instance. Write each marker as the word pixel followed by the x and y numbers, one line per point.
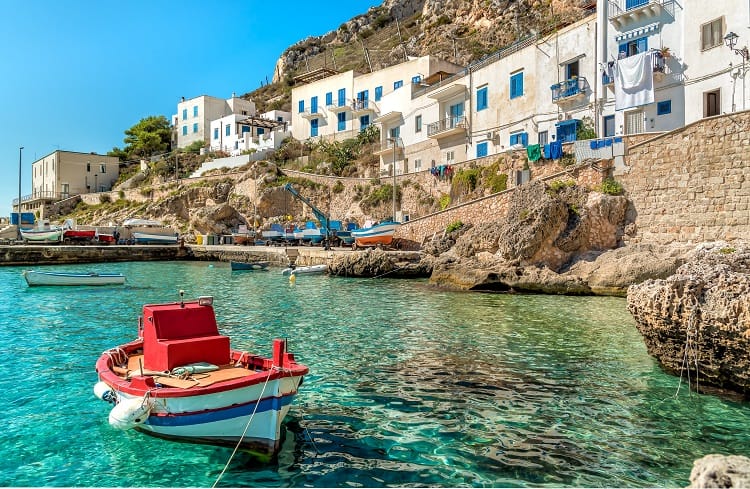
pixel 699 318
pixel 378 263
pixel 720 471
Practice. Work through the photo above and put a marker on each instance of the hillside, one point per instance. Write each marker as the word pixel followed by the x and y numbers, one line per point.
pixel 461 31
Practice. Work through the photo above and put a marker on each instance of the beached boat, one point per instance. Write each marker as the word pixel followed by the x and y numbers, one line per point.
pixel 375 235
pixel 34 277
pixel 72 233
pixel 181 380
pixel 305 270
pixel 275 233
pixel 151 238
pixel 254 265
pixel 42 232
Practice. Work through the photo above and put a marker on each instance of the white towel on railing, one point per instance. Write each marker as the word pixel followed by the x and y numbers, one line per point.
pixel 634 81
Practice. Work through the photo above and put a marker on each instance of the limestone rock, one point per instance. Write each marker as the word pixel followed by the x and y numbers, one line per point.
pixel 378 263
pixel 700 316
pixel 721 471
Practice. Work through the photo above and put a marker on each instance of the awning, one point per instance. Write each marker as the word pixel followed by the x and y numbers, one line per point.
pixel 638 32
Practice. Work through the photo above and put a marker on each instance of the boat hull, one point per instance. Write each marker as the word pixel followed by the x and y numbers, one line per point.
pixel 150 238
pixel 34 278
pixel 381 234
pixel 258 265
pixel 312 269
pixel 79 235
pixel 50 236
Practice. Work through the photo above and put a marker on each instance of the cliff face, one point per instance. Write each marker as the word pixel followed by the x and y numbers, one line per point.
pixel 697 321
pixel 457 30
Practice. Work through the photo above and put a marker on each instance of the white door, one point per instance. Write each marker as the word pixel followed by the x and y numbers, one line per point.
pixel 634 122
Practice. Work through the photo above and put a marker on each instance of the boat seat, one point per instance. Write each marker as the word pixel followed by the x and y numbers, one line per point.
pixel 176 336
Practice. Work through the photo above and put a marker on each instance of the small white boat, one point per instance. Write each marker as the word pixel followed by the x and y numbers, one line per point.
pixel 305 270
pixel 72 278
pixel 43 232
pixel 180 379
pixel 151 238
pixel 375 235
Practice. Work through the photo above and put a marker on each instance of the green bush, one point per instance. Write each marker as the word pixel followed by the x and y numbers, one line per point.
pixel 454 226
pixel 497 183
pixel 444 201
pixel 556 185
pixel 105 198
pixel 338 187
pixel 610 186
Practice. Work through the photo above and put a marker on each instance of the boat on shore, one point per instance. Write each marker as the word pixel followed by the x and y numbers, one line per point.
pixel 34 277
pixel 42 232
pixel 72 233
pixel 152 238
pixel 254 265
pixel 180 380
pixel 375 235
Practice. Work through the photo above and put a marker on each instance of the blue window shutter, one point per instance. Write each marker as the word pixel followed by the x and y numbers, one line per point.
pixel 314 105
pixel 482 98
pixel 524 139
pixel 623 48
pixel 216 133
pixel 260 131
pixel 313 127
pixel 364 121
pixel 341 116
pixel 642 45
pixel 184 130
pixel 228 129
pixel 329 98
pixel 184 114
pixel 481 150
pixel 342 97
pixel 301 106
pixel 378 93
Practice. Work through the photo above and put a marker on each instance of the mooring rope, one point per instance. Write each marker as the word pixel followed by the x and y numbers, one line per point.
pixel 690 352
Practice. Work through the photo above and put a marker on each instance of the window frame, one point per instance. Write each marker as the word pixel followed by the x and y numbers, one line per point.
pixel 482 99
pixel 341 121
pixel 664 107
pixel 418 123
pixel 482 149
pixel 719 39
pixel 195 128
pixel 516 84
pixel 398 84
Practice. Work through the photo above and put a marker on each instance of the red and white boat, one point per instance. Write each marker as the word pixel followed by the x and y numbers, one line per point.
pixel 181 380
pixel 74 233
pixel 375 234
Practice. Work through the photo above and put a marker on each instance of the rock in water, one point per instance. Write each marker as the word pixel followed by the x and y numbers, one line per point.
pixel 721 471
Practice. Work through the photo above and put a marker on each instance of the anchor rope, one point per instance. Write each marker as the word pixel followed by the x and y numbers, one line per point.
pixel 690 351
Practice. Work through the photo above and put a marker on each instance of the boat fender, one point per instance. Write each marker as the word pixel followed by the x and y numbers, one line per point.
pixel 103 391
pixel 129 413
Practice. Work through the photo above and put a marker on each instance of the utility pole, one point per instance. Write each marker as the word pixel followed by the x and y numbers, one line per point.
pixel 19 191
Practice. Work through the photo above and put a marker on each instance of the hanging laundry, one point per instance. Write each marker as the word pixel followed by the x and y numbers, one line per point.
pixel 534 152
pixel 546 152
pixel 555 150
pixel 634 81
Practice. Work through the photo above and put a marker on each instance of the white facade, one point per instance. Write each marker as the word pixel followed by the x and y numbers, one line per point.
pixel 192 122
pixel 698 78
pixel 235 134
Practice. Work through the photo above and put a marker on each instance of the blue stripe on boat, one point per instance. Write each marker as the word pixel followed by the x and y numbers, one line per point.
pixel 187 419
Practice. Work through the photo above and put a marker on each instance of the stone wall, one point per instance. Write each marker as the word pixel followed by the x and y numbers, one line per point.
pixel 692 184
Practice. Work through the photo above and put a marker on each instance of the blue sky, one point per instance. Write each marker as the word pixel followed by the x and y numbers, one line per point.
pixel 76 74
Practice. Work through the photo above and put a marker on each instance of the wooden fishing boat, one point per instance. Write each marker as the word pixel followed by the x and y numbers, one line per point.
pixel 254 265
pixel 34 277
pixel 375 235
pixel 312 269
pixel 153 238
pixel 42 232
pixel 180 380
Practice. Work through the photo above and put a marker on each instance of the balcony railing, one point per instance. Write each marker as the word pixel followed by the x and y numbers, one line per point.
pixel 455 122
pixel 42 195
pixel 569 88
pixel 621 12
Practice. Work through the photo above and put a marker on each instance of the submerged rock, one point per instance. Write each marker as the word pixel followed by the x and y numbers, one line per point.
pixel 721 471
pixel 697 321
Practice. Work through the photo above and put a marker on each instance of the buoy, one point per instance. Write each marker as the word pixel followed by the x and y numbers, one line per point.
pixel 292 278
pixel 104 392
pixel 129 413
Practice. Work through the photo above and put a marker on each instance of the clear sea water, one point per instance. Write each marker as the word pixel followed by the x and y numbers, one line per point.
pixel 409 386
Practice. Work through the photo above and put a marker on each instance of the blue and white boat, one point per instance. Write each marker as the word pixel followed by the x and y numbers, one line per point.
pixel 153 238
pixel 72 278
pixel 380 234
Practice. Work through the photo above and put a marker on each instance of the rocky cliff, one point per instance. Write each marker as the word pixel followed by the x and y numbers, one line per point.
pixel 697 321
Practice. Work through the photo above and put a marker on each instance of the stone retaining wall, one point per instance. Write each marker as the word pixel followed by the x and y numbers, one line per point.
pixel 692 184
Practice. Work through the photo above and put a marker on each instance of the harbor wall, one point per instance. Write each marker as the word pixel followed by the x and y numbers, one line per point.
pixel 62 254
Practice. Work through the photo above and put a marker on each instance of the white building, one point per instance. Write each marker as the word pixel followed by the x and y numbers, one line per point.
pixel 698 76
pixel 193 119
pixel 235 134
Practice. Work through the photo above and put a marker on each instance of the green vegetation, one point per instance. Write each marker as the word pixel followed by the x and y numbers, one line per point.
pixel 338 187
pixel 585 129
pixel 556 186
pixel 727 250
pixel 151 135
pixel 444 201
pixel 465 180
pixel 455 225
pixel 380 195
pixel 610 186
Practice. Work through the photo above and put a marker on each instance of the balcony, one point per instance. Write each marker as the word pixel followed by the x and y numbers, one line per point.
pixel 387 148
pixel 363 107
pixel 569 91
pixel 624 12
pixel 311 113
pixel 447 127
pixel 448 92
pixel 335 108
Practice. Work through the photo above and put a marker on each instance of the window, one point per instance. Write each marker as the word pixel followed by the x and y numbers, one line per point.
pixel 260 131
pixel 634 122
pixel 450 157
pixel 418 123
pixel 362 98
pixel 227 130
pixel 609 126
pixel 341 121
pixel 398 84
pixel 195 111
pixel 711 103
pixel 195 127
pixel 216 133
pixel 342 97
pixel 102 168
pixel 378 93
pixel 313 128
pixel 481 98
pixel 394 132
pixel 664 107
pixel 566 130
pixel 314 105
pixel 481 149
pixel 184 130
pixel 247 129
pixel 516 85
pixel 301 106
pixel 633 47
pixel 417 164
pixel 634 3
pixel 543 138
pixel 712 34
pixel 364 121
pixel 88 167
pixel 329 99
pixel 521 138
pixel 457 114
pixel 416 80
pixel 571 70
pixel 184 114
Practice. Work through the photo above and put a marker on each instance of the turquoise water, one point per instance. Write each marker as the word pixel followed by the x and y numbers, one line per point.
pixel 409 386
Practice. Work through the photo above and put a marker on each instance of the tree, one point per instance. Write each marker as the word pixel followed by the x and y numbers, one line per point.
pixel 151 135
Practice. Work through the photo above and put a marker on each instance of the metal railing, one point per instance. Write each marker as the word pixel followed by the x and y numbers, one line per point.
pixel 616 8
pixel 569 88
pixel 42 195
pixel 446 124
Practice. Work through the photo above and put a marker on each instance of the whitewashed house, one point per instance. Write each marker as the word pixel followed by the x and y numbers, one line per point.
pixel 192 122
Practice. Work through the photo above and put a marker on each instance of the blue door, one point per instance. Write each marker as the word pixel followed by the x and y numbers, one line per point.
pixel 457 113
pixel 362 99
pixel 364 121
pixel 313 127
pixel 342 97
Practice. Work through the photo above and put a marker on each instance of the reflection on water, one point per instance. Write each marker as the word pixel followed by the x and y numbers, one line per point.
pixel 408 385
